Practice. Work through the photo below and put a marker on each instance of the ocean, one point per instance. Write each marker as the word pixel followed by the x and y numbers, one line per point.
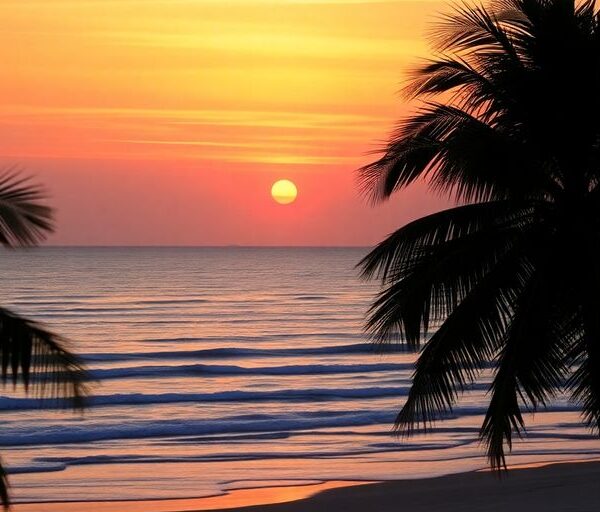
pixel 223 368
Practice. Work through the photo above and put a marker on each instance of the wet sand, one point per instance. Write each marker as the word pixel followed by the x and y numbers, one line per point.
pixel 565 487
pixel 237 498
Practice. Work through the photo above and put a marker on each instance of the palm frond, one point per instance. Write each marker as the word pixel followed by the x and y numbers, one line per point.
pixel 24 219
pixel 445 74
pixel 467 340
pixel 584 383
pixel 452 224
pixel 4 488
pixel 437 145
pixel 40 360
pixel 473 30
pixel 531 367
pixel 406 308
pixel 414 150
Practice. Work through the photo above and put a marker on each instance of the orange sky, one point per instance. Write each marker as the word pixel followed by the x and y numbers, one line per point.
pixel 166 121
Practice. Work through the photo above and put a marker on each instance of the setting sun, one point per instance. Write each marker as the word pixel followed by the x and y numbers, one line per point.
pixel 284 191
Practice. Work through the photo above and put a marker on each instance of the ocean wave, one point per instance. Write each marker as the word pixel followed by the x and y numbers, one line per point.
pixel 261 338
pixel 183 430
pixel 85 433
pixel 316 394
pixel 217 370
pixel 53 464
pixel 230 352
pixel 56 462
pixel 62 302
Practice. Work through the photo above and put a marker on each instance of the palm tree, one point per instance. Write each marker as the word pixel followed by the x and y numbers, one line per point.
pixel 32 356
pixel 508 126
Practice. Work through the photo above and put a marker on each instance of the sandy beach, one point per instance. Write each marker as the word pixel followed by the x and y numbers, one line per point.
pixel 559 487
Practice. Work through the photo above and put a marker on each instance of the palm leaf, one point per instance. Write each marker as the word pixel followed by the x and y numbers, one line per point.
pixel 531 367
pixel 4 486
pixel 455 223
pixel 41 361
pixel 437 145
pixel 466 341
pixel 24 219
pixel 30 354
pixel 585 381
pixel 437 283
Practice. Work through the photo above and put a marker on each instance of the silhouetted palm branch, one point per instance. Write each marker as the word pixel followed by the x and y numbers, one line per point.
pixel 40 360
pixel 30 354
pixel 23 219
pixel 508 126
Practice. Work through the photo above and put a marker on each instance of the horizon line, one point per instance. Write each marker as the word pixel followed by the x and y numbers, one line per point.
pixel 182 246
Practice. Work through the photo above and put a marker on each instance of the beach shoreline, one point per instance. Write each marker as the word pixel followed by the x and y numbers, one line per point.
pixel 233 498
pixel 560 486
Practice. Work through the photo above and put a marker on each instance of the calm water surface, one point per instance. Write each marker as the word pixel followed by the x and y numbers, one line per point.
pixel 220 368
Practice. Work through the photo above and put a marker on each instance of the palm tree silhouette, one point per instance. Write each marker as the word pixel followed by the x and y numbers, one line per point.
pixel 508 126
pixel 31 355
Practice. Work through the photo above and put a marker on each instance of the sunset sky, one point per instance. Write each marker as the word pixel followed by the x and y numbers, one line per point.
pixel 165 122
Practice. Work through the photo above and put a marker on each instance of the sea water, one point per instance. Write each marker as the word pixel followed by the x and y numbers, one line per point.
pixel 221 368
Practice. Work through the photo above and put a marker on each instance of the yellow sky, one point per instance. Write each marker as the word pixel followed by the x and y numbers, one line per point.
pixel 285 87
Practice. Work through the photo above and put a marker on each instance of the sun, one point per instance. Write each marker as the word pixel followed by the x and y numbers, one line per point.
pixel 284 191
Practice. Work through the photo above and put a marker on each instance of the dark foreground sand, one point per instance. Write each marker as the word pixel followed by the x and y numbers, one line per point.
pixel 556 488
